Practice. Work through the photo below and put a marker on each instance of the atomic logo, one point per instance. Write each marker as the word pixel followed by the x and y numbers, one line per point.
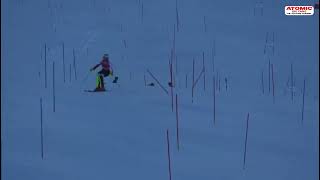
pixel 299 10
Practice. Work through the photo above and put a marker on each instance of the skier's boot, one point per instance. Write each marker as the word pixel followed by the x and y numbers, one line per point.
pixel 98 89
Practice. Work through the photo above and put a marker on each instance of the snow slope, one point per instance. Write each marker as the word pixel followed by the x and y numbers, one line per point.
pixel 122 134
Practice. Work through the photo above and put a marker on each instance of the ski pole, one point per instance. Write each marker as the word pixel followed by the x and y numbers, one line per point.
pixel 86 77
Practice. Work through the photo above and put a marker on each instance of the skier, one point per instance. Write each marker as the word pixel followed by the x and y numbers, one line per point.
pixel 104 72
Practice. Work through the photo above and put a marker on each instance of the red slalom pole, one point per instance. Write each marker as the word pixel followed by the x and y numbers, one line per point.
pixel 177 119
pixel 171 85
pixel 192 79
pixel 169 158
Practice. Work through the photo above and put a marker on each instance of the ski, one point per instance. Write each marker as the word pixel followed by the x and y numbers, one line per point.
pixel 93 91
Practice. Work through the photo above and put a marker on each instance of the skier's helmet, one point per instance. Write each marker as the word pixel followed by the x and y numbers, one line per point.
pixel 106 56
